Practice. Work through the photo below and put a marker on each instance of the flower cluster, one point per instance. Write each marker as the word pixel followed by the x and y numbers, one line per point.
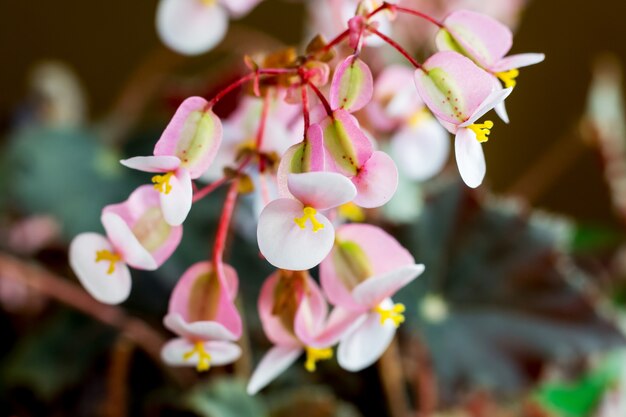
pixel 300 147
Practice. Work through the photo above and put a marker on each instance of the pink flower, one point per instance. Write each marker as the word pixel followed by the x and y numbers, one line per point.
pixel 184 152
pixel 202 312
pixel 486 41
pixel 137 236
pixel 292 233
pixel 192 27
pixel 459 93
pixel 292 311
pixel 365 268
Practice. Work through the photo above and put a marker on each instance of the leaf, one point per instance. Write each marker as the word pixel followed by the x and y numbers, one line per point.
pixel 309 401
pixel 224 398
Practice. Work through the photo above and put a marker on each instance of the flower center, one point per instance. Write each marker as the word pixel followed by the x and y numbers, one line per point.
pixel 394 314
pixel 108 256
pixel 309 214
pixel 352 212
pixel 204 358
pixel 162 183
pixel 482 130
pixel 314 355
pixel 508 77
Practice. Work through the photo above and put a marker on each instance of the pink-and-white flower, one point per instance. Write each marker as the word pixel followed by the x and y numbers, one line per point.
pixel 192 27
pixel 292 233
pixel 202 313
pixel 137 235
pixel 459 93
pixel 184 152
pixel 487 42
pixel 364 270
pixel 292 311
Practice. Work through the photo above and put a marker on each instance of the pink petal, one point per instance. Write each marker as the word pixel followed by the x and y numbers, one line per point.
pixel 107 288
pixel 273 326
pixel 482 38
pixel 190 27
pixel 340 323
pixel 152 163
pixel 126 244
pixel 177 203
pixel 374 290
pixel 493 99
pixel 352 86
pixel 517 61
pixel 469 158
pixel 365 344
pixel 222 353
pixel 500 108
pixel 421 150
pixel 274 363
pixel 311 315
pixel 454 87
pixel 321 190
pixel 197 330
pixel 376 181
pixel 393 103
pixel 239 8
pixel 347 147
pixel 193 135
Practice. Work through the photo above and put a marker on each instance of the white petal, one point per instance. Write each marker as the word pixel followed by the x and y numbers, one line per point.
pixel 365 344
pixel 190 27
pixel 321 190
pixel 518 61
pixel 490 102
pixel 285 244
pixel 274 363
pixel 374 290
pixel 206 330
pixel 126 243
pixel 238 8
pixel 152 163
pixel 500 107
pixel 177 203
pixel 222 353
pixel 107 288
pixel 469 157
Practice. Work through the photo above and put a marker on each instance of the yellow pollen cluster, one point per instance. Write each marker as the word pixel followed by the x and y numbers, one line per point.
pixel 352 212
pixel 108 256
pixel 208 2
pixel 508 77
pixel 204 358
pixel 314 355
pixel 309 214
pixel 162 183
pixel 394 314
pixel 482 130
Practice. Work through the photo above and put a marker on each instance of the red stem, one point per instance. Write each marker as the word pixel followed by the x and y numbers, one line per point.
pixel 305 109
pixel 223 225
pixel 208 189
pixel 319 94
pixel 397 47
pixel 336 40
pixel 261 131
pixel 431 19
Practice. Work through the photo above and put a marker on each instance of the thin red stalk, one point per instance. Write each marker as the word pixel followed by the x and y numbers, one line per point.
pixel 261 130
pixel 397 47
pixel 379 9
pixel 416 13
pixel 208 189
pixel 319 94
pixel 224 224
pixel 305 109
pixel 336 40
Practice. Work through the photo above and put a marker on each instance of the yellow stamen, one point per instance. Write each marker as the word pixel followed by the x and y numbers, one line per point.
pixel 309 214
pixel 108 256
pixel 508 77
pixel 204 358
pixel 482 130
pixel 208 2
pixel 394 314
pixel 352 212
pixel 314 355
pixel 418 117
pixel 162 183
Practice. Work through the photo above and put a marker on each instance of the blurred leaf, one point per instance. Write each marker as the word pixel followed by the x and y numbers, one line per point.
pixel 511 297
pixel 56 355
pixel 309 401
pixel 595 237
pixel 224 398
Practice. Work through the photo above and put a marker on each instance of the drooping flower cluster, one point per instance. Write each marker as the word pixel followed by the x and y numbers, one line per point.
pixel 301 148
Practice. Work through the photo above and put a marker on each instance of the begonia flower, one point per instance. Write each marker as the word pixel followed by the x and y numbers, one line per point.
pixel 137 236
pixel 363 271
pixel 292 233
pixel 459 93
pixel 192 27
pixel 184 152
pixel 293 311
pixel 202 313
pixel 485 41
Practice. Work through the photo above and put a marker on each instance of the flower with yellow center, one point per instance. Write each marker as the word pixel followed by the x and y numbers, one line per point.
pixel 162 183
pixel 309 214
pixel 204 358
pixel 482 130
pixel 393 313
pixel 108 256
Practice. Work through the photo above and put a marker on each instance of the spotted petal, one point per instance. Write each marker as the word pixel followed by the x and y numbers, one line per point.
pixel 352 86
pixel 107 288
pixel 347 147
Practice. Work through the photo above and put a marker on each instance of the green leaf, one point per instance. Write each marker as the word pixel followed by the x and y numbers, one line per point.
pixel 224 398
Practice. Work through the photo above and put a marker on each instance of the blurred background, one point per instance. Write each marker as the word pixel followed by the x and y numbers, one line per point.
pixel 520 313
